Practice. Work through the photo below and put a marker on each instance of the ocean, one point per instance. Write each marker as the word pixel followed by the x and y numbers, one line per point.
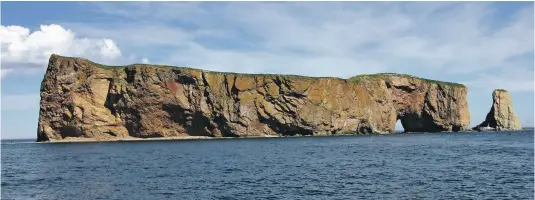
pixel 477 165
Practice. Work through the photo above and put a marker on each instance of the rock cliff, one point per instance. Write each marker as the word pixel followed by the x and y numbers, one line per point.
pixel 501 115
pixel 82 99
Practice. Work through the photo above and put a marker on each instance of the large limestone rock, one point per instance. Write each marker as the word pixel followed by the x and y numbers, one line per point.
pixel 82 99
pixel 501 115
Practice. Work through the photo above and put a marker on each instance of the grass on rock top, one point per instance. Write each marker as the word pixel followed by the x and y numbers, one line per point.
pixel 362 77
pixel 354 79
pixel 109 67
pixel 292 76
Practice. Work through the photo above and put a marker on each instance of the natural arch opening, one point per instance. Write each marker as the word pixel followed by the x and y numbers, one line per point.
pixel 399 127
pixel 412 122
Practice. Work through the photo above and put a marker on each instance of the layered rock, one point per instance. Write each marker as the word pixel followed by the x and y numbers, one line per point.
pixel 501 115
pixel 82 99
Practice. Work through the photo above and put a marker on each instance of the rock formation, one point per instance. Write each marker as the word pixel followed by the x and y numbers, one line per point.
pixel 501 115
pixel 82 99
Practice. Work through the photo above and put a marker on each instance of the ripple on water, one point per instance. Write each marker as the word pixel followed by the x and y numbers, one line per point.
pixel 406 166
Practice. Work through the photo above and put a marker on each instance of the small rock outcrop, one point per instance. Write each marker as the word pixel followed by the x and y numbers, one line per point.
pixel 501 115
pixel 82 99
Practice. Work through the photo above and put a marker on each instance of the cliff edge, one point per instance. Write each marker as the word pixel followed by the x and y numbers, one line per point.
pixel 82 99
pixel 501 115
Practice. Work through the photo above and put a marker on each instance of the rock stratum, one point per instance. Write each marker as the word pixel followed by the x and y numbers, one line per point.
pixel 82 99
pixel 501 115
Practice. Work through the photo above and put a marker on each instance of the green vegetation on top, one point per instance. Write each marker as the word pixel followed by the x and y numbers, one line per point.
pixel 214 72
pixel 355 79
pixel 108 66
pixel 362 77
pixel 89 61
pixel 292 76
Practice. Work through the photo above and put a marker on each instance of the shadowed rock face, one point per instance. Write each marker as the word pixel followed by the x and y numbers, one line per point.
pixel 501 115
pixel 80 98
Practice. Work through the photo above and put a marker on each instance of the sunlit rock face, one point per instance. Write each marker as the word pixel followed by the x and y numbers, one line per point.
pixel 501 115
pixel 82 99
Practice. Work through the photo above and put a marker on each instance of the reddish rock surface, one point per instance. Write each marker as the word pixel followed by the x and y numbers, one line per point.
pixel 82 99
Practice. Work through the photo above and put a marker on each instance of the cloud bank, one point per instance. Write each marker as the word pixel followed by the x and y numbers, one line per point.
pixel 476 43
pixel 23 50
pixel 449 41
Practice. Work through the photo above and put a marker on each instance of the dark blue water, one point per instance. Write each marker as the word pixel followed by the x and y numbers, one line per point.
pixel 495 165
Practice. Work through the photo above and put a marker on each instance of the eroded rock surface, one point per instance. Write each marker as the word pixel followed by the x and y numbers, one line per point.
pixel 501 115
pixel 80 98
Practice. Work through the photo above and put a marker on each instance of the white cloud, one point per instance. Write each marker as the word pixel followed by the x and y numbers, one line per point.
pixel 145 60
pixel 17 102
pixel 109 49
pixel 23 50
pixel 325 39
pixel 510 79
pixel 316 39
pixel 5 72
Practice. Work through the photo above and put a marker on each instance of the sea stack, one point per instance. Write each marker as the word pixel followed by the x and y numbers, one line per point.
pixel 501 115
pixel 83 99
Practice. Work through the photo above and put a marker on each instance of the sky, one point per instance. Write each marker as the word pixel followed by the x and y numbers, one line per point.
pixel 484 45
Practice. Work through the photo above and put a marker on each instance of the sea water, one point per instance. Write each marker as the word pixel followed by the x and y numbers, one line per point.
pixel 482 165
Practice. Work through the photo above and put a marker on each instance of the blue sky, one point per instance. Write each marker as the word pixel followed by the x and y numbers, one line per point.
pixel 485 45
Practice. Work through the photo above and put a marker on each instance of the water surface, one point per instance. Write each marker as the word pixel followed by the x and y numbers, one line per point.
pixel 494 165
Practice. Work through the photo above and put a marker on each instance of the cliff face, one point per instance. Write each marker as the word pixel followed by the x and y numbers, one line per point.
pixel 501 115
pixel 80 98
